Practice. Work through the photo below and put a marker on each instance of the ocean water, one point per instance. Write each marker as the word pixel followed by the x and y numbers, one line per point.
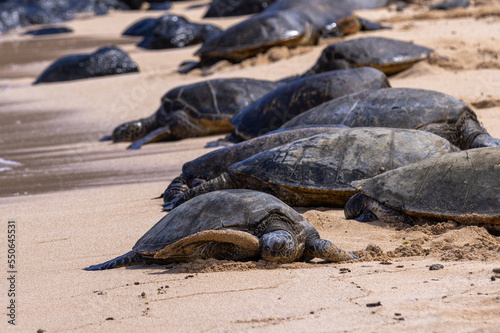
pixel 6 165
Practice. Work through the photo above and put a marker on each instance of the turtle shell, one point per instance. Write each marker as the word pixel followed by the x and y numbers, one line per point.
pixel 240 210
pixel 319 170
pixel 286 102
pixel 212 164
pixel 214 101
pixel 395 107
pixel 387 55
pixel 462 186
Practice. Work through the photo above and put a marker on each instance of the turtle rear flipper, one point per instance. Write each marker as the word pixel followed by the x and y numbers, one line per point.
pixel 219 244
pixel 128 259
pixel 106 138
pixel 223 182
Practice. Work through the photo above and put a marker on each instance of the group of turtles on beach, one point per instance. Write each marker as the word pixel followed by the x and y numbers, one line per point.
pixel 337 135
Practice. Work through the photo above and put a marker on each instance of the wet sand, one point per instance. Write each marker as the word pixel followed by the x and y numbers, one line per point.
pixel 77 201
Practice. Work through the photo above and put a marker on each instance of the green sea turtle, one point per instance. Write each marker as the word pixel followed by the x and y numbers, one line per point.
pixel 231 225
pixel 284 23
pixel 318 171
pixel 420 109
pixel 286 102
pixel 213 164
pixel 197 109
pixel 387 55
pixel 462 187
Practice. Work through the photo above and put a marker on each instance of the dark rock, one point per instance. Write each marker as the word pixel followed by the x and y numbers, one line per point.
pixel 222 8
pixel 435 267
pixel 105 61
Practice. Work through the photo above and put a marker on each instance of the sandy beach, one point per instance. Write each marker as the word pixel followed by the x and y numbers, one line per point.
pixel 77 201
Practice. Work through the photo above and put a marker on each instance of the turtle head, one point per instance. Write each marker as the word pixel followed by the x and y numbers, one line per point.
pixel 130 131
pixel 279 245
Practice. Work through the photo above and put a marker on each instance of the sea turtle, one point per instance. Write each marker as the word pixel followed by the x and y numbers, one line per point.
pixel 232 225
pixel 462 187
pixel 318 171
pixel 387 55
pixel 107 60
pixel 276 108
pixel 171 31
pixel 224 8
pixel 284 23
pixel 213 164
pixel 420 109
pixel 197 109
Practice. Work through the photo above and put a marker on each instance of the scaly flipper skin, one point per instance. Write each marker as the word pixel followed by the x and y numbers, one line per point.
pixel 324 249
pixel 153 136
pixel 128 259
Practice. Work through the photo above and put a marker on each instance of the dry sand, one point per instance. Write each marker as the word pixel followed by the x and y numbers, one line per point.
pixel 77 201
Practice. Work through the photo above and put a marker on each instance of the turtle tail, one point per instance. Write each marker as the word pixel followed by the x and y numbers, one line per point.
pixel 128 259
pixel 223 182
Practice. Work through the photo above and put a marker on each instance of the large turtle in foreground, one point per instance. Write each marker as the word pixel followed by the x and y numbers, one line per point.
pixel 420 109
pixel 286 102
pixel 231 225
pixel 463 187
pixel 318 171
pixel 197 109
pixel 213 164
pixel 387 55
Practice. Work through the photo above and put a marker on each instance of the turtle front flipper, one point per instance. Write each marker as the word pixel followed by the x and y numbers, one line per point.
pixel 315 247
pixel 218 244
pixel 324 249
pixel 128 259
pixel 362 208
pixel 159 134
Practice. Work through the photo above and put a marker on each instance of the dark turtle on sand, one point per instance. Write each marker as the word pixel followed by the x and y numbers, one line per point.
pixel 462 187
pixel 318 171
pixel 230 225
pixel 420 109
pixel 387 55
pixel 285 23
pixel 198 109
pixel 286 102
pixel 108 60
pixel 213 164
